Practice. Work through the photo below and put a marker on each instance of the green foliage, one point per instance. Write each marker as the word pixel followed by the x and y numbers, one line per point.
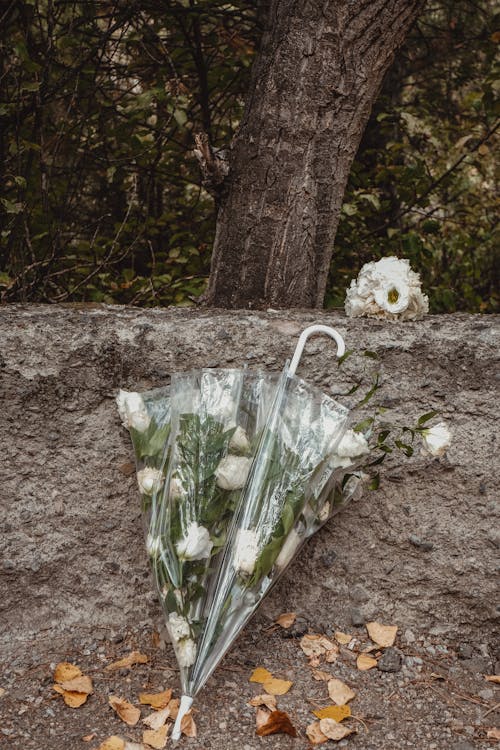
pixel 101 198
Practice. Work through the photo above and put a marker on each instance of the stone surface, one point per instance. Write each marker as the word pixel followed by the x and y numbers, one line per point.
pixel 72 563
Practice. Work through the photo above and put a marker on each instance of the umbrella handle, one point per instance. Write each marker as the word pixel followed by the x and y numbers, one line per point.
pixel 335 335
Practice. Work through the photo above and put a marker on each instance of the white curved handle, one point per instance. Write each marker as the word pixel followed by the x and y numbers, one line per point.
pixel 335 335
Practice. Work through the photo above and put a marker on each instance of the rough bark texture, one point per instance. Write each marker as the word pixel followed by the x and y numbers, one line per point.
pixel 74 582
pixel 317 75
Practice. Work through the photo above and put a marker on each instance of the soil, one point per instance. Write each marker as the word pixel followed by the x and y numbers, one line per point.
pixel 420 552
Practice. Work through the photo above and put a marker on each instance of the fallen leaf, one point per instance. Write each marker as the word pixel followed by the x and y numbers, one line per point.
pixel 156 700
pixel 342 638
pixel 274 686
pixel 493 734
pixel 112 743
pixel 135 657
pixel 333 730
pixel 88 737
pixel 261 717
pixel 188 727
pixel 134 745
pixel 315 735
pixel 382 635
pixel 260 675
pixel 72 699
pixel 81 684
pixel 2 692
pixel 66 671
pixel 287 619
pixel 332 654
pixel 126 711
pixel 493 678
pixel 157 719
pixel 278 722
pixel 264 700
pixel 319 675
pixel 316 645
pixel 365 662
pixel 338 713
pixel 339 692
pixel 157 738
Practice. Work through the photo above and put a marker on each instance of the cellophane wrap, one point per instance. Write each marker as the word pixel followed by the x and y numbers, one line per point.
pixel 283 503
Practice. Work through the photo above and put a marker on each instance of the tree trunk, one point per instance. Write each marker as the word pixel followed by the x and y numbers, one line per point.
pixel 314 82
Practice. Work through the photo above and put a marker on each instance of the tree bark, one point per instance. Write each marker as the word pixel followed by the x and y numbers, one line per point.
pixel 314 82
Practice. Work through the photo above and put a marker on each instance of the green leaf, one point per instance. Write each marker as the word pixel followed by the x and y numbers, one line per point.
pixel 425 417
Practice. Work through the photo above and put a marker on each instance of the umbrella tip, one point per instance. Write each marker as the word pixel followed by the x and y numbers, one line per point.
pixel 185 705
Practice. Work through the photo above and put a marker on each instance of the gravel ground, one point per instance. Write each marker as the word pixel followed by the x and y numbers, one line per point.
pixel 420 553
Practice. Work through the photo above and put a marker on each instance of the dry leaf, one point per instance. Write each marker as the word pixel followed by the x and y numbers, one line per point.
pixel 287 619
pixel 157 719
pixel 338 713
pixel 493 678
pixel 277 722
pixel 333 730
pixel 72 698
pixel 88 737
pixel 112 743
pixel 263 700
pixel 261 717
pixel 493 734
pixel 342 638
pixel 173 707
pixel 382 635
pixel 331 655
pixel 157 738
pixel 339 692
pixel 156 700
pixel 315 735
pixel 316 645
pixel 2 692
pixel 126 711
pixel 274 686
pixel 188 727
pixel 365 662
pixel 134 746
pixel 135 657
pixel 319 675
pixel 260 675
pixel 81 684
pixel 66 671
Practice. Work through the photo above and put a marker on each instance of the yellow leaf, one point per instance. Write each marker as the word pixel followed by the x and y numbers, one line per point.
pixel 277 687
pixel 173 707
pixel 125 710
pixel 71 698
pixel 342 638
pixel 260 675
pixel 493 678
pixel 156 738
pixel 315 735
pixel 333 730
pixel 88 737
pixel 316 645
pixel 331 654
pixel 188 727
pixel 112 743
pixel 157 719
pixel 135 657
pixel 338 713
pixel 383 635
pixel 287 619
pixel 66 671
pixel 365 662
pixel 81 684
pixel 264 700
pixel 319 675
pixel 493 734
pixel 339 692
pixel 156 700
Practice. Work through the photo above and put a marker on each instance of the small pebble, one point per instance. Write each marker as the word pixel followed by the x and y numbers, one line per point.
pixel 357 617
pixel 390 661
pixel 420 543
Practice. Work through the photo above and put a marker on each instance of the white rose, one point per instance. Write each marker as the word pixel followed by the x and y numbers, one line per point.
pixel 437 439
pixel 178 627
pixel 290 547
pixel 352 444
pixel 186 652
pixel 149 480
pixel 239 442
pixel 393 296
pixel 132 410
pixel 196 545
pixel 232 472
pixel 153 545
pixel 247 551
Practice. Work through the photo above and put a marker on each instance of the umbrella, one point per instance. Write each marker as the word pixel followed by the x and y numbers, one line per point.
pixel 244 476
